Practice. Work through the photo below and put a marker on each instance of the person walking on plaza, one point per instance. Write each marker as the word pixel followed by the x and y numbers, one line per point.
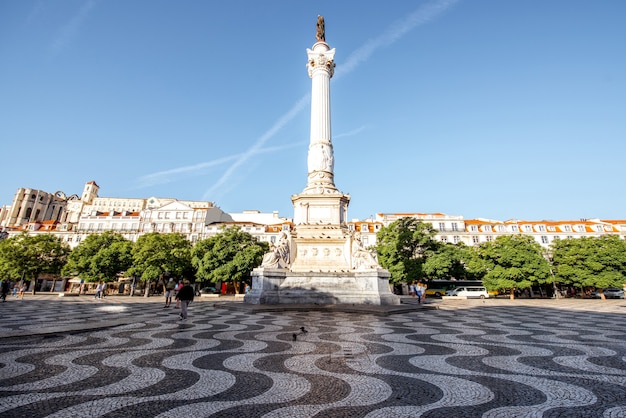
pixel 98 294
pixel 418 292
pixel 169 292
pixel 22 291
pixel 179 286
pixel 4 290
pixel 185 296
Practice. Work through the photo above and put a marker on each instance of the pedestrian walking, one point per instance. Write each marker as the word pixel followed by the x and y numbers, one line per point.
pixel 185 297
pixel 4 289
pixel 22 291
pixel 98 294
pixel 179 286
pixel 418 292
pixel 169 292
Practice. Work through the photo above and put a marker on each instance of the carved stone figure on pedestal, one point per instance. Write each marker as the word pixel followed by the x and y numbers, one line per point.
pixel 278 256
pixel 362 258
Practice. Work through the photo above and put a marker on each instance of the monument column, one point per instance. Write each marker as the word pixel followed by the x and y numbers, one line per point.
pixel 321 66
pixel 326 264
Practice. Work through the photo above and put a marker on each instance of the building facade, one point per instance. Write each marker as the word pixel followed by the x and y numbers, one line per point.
pixel 74 217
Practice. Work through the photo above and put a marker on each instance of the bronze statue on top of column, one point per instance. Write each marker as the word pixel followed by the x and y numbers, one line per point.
pixel 320 35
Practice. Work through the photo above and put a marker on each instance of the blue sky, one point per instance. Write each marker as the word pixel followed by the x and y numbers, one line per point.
pixel 493 109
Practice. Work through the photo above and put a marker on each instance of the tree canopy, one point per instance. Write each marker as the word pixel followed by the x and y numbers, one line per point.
pixel 100 257
pixel 590 261
pixel 403 247
pixel 510 262
pixel 157 254
pixel 448 262
pixel 228 256
pixel 29 256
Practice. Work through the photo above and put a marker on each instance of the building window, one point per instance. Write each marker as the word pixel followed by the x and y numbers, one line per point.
pixel 486 228
pixel 474 228
pixel 444 239
pixel 544 239
pixel 528 228
pixel 442 226
pixel 581 228
pixel 455 226
pixel 489 238
pixel 457 239
pixel 501 228
pixel 364 228
pixel 567 228
pixel 475 239
pixel 542 228
pixel 514 228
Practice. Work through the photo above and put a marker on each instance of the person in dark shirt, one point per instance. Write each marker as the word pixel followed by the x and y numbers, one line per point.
pixel 4 290
pixel 185 296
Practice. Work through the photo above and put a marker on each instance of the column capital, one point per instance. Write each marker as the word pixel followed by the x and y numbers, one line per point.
pixel 321 57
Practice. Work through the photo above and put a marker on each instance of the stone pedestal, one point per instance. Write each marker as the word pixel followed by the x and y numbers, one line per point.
pixel 280 286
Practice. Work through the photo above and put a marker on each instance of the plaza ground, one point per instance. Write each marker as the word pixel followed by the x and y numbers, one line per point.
pixel 122 356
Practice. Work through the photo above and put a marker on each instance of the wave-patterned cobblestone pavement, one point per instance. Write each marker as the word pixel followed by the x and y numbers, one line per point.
pixel 462 360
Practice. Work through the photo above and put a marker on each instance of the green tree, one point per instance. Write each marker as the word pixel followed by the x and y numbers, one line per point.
pixel 403 247
pixel 447 261
pixel 590 261
pixel 228 256
pixel 156 255
pixel 28 256
pixel 512 261
pixel 100 257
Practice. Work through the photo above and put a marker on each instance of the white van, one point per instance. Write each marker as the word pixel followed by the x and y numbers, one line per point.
pixel 469 292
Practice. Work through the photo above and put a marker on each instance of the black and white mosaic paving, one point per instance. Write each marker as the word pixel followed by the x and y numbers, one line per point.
pixel 118 359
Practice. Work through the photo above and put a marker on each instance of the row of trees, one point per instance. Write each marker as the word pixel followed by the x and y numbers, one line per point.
pixel 229 256
pixel 407 248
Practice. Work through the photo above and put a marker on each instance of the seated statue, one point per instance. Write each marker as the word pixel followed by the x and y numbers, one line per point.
pixel 362 258
pixel 278 256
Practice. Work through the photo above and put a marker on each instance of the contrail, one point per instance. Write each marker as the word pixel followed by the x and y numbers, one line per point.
pixel 422 15
pixel 69 32
pixel 300 104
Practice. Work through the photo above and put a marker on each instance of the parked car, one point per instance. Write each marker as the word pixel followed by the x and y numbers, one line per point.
pixel 613 293
pixel 209 290
pixel 469 292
